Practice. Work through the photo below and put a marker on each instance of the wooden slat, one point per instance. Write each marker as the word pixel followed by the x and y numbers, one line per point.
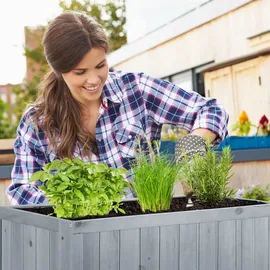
pixel 226 245
pixel 43 249
pixel 91 251
pixel 17 246
pixel 150 248
pixel 29 247
pixel 77 251
pixel 54 251
pixel 169 247
pixel 6 245
pixel 208 246
pixel 109 250
pixel 189 243
pixel 130 249
pixel 248 244
pixel 261 238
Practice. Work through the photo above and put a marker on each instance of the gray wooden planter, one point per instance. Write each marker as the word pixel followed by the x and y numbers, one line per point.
pixel 218 239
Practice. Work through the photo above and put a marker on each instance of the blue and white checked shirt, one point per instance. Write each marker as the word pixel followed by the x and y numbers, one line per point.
pixel 132 104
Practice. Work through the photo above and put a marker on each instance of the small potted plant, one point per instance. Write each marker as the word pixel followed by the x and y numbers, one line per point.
pixel 263 132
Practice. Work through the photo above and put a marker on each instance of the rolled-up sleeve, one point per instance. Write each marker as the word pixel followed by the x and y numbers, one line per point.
pixel 167 103
pixel 28 159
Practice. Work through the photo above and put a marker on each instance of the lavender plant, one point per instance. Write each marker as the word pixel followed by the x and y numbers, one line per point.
pixel 254 192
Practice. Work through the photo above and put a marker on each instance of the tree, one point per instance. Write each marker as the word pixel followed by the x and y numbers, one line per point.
pixel 7 129
pixel 111 15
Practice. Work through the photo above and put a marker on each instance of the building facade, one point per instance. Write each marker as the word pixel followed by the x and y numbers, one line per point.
pixel 199 48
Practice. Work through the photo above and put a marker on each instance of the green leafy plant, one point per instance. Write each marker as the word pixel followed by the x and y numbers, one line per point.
pixel 208 177
pixel 79 189
pixel 154 178
pixel 254 192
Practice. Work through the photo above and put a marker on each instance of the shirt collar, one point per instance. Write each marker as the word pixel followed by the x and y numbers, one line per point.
pixel 113 88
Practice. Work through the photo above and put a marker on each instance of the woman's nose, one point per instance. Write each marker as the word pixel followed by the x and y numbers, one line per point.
pixel 93 79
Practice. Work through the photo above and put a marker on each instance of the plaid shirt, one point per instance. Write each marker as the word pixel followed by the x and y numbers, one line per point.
pixel 132 104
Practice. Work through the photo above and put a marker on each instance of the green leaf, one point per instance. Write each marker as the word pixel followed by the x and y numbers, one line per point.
pixel 43 188
pixel 68 161
pixel 121 210
pixel 122 170
pixel 78 161
pixel 62 187
pixel 54 164
pixel 40 175
pixel 101 167
pixel 64 177
pixel 79 194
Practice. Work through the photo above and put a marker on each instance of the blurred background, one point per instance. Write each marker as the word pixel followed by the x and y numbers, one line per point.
pixel 218 48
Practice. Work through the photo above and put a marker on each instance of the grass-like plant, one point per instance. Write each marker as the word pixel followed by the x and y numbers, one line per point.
pixel 208 177
pixel 79 189
pixel 154 178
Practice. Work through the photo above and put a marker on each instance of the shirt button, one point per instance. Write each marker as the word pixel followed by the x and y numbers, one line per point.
pixel 129 136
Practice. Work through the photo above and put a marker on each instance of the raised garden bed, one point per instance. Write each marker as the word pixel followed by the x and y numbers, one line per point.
pixel 220 238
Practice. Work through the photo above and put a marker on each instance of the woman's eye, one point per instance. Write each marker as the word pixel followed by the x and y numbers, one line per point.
pixel 79 73
pixel 101 66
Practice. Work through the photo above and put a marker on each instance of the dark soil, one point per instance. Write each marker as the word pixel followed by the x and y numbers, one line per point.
pixel 133 208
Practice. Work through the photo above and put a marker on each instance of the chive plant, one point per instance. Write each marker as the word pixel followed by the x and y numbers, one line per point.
pixel 154 178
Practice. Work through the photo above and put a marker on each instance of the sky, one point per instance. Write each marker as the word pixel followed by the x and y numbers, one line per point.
pixel 15 15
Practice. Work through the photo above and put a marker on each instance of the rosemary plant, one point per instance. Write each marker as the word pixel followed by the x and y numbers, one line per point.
pixel 208 177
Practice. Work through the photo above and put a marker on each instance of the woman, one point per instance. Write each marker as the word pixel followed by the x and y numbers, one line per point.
pixel 85 111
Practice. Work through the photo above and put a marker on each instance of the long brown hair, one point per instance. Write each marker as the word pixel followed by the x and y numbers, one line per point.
pixel 66 41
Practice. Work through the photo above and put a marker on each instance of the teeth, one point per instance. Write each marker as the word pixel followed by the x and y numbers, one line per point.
pixel 92 88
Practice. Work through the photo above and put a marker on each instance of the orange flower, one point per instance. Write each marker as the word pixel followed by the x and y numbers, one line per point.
pixel 243 117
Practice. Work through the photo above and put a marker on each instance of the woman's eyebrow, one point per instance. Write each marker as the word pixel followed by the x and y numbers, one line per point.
pixel 86 68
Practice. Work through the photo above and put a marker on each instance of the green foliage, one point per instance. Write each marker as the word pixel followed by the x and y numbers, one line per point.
pixel 77 189
pixel 242 129
pixel 171 133
pixel 154 179
pixel 208 177
pixel 255 192
pixel 110 15
pixel 7 129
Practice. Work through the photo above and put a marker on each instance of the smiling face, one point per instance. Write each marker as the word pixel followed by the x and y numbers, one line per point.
pixel 86 81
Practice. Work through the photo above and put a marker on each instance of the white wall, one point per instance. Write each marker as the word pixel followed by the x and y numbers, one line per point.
pixel 217 40
pixel 144 16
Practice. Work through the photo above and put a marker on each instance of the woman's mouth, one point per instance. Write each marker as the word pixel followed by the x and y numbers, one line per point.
pixel 91 89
